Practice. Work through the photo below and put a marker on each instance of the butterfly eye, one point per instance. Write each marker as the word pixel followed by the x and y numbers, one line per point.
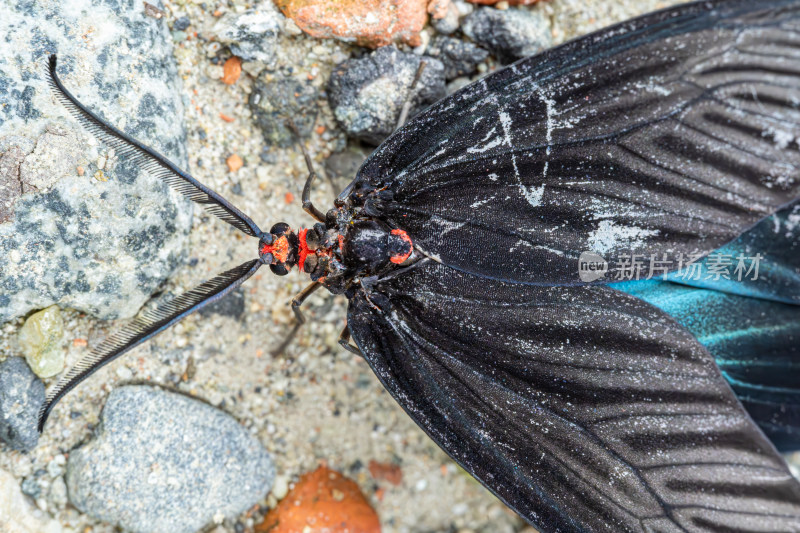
pixel 279 269
pixel 280 228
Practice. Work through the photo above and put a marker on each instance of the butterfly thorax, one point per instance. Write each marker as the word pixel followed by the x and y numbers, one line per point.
pixel 337 252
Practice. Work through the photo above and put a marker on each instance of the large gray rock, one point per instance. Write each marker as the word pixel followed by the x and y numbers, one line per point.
pixel 21 396
pixel 100 240
pixel 367 94
pixel 166 463
pixel 510 34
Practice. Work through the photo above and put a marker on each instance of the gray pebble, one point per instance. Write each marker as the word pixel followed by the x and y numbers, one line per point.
pixel 449 23
pixel 367 94
pixel 280 97
pixel 30 486
pixel 341 167
pixel 166 463
pixel 21 395
pixel 253 34
pixel 181 23
pixel 510 34
pixel 58 493
pixel 458 57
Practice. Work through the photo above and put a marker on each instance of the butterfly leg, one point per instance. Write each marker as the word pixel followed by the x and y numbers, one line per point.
pixel 297 301
pixel 406 109
pixel 344 342
pixel 308 207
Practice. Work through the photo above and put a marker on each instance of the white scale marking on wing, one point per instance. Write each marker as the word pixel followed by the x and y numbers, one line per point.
pixel 533 195
pixel 446 225
pixel 496 141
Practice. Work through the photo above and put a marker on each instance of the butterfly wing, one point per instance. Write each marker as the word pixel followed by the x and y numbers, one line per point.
pixel 755 342
pixel 767 256
pixel 669 134
pixel 583 408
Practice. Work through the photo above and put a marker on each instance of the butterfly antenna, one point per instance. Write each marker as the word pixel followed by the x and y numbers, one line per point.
pixel 150 160
pixel 406 109
pixel 146 326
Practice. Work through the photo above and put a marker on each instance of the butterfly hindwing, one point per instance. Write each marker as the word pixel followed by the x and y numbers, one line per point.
pixel 763 262
pixel 669 134
pixel 583 408
pixel 755 342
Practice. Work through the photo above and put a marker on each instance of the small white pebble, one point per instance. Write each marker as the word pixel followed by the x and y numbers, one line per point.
pixel 280 488
pixel 291 28
pixel 212 48
pixel 425 37
pixel 124 373
pixel 464 8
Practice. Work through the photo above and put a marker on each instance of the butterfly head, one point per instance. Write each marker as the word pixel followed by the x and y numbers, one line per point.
pixel 279 248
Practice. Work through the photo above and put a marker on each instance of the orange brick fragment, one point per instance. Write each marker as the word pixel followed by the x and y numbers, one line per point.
pixel 510 2
pixel 232 70
pixel 234 162
pixel 386 472
pixel 323 501
pixel 371 23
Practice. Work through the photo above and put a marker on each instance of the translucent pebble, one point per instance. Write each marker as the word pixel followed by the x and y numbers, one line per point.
pixel 40 339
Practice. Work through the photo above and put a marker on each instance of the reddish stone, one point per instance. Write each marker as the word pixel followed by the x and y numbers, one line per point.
pixel 232 70
pixel 234 162
pixel 386 472
pixel 371 23
pixel 510 2
pixel 323 501
pixel 438 8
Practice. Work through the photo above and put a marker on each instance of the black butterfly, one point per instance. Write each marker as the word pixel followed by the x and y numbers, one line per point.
pixel 582 407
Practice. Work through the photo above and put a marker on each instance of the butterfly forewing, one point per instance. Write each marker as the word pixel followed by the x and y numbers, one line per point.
pixel 583 408
pixel 670 134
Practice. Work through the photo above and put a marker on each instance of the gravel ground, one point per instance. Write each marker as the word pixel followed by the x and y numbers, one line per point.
pixel 316 403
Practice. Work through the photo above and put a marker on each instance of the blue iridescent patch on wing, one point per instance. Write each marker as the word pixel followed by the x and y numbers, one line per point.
pixel 775 242
pixel 755 342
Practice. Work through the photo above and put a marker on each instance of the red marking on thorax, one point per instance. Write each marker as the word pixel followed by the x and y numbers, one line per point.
pixel 399 258
pixel 303 250
pixel 279 249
